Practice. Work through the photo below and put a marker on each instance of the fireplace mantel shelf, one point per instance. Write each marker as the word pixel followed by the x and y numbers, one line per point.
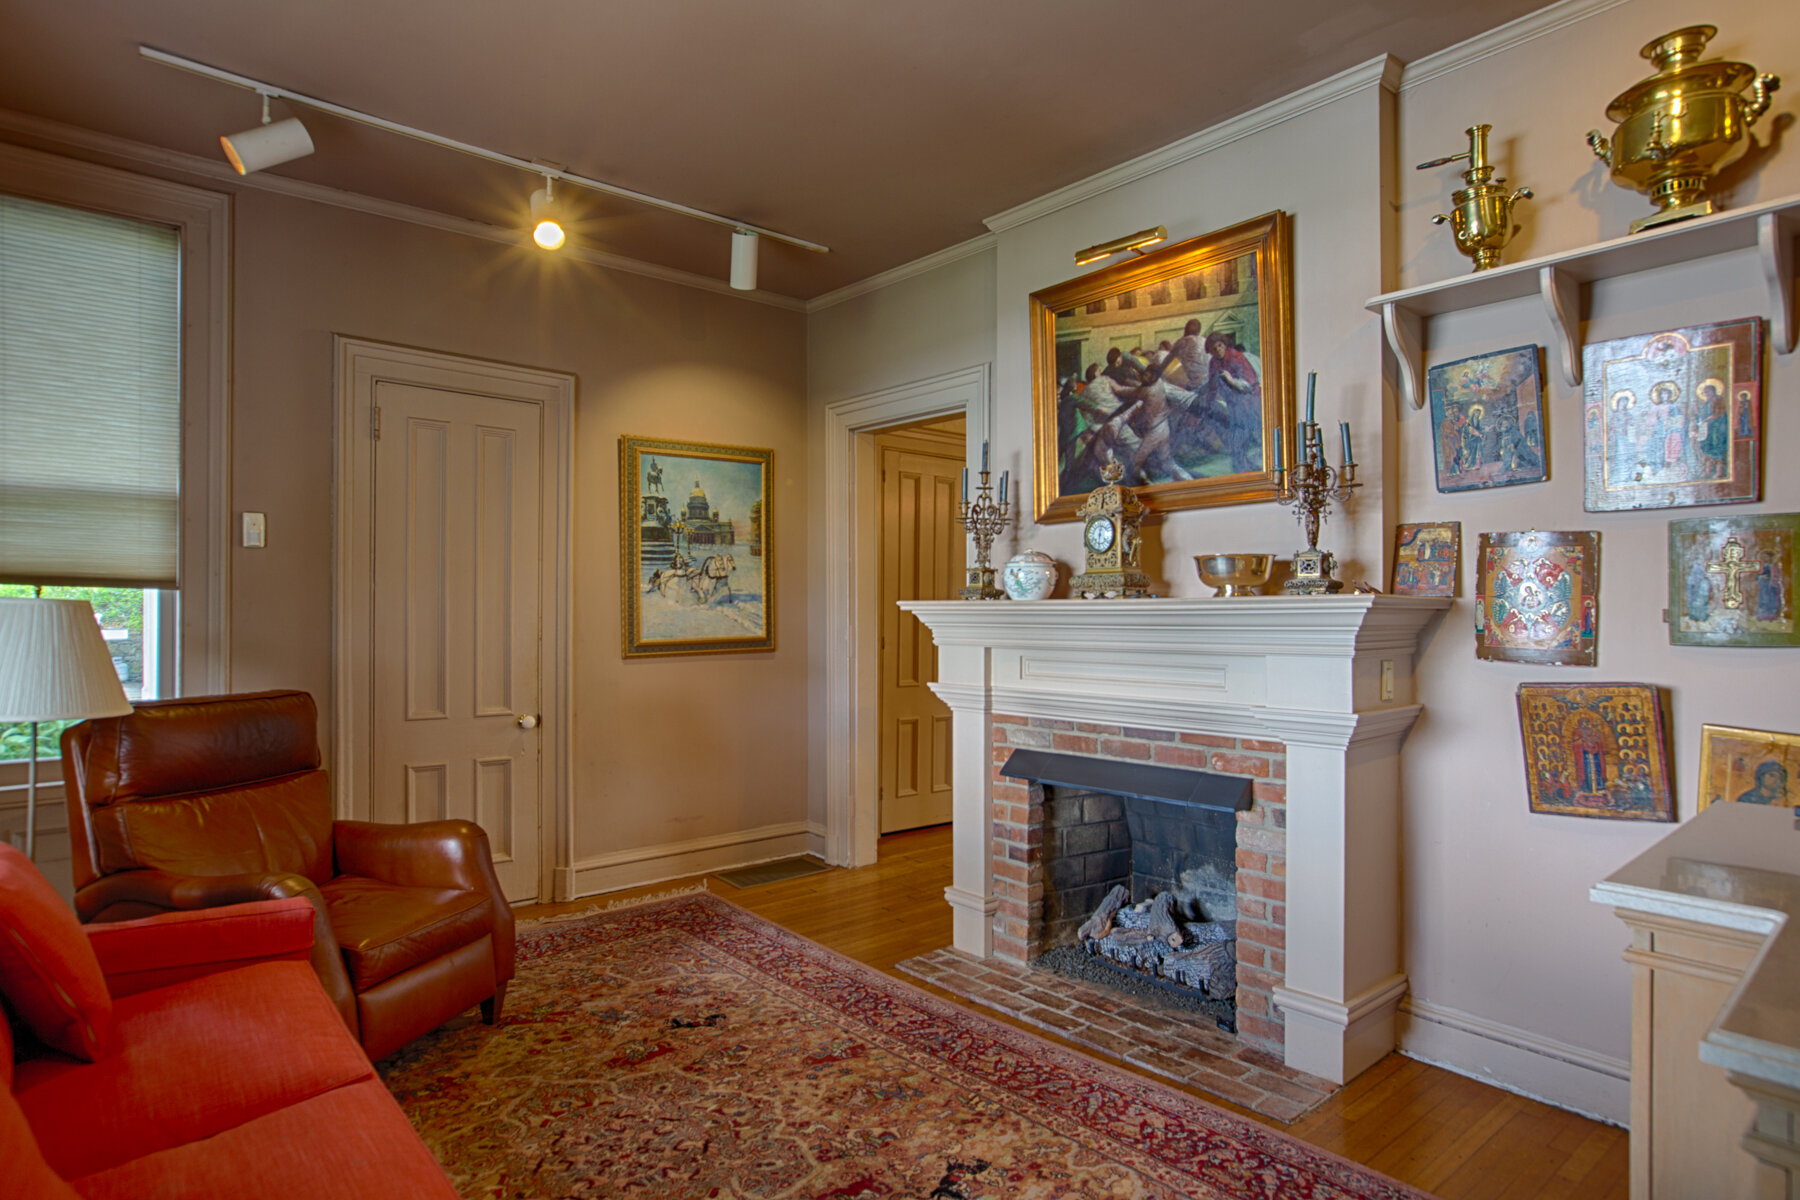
pixel 1238 624
pixel 1330 677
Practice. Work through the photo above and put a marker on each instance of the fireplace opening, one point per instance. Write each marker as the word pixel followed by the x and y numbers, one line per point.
pixel 1140 878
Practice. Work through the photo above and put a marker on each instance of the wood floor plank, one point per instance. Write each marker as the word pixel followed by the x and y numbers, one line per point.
pixel 1432 1128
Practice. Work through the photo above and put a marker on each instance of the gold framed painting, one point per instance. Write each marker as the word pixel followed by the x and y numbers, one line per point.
pixel 697 570
pixel 1179 365
pixel 1748 766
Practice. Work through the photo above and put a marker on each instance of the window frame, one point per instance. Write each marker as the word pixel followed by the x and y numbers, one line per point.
pixel 203 219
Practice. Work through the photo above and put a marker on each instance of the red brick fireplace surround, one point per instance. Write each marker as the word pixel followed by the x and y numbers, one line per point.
pixel 1019 854
pixel 1311 697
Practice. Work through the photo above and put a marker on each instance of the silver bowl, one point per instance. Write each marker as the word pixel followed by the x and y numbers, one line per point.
pixel 1235 574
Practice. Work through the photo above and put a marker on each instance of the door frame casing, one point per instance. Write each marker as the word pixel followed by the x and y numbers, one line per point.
pixel 362 365
pixel 852 567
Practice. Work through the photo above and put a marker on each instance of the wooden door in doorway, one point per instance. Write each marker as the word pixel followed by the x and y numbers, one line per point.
pixel 456 618
pixel 921 559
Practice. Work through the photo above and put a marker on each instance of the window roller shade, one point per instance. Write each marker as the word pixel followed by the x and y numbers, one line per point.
pixel 90 398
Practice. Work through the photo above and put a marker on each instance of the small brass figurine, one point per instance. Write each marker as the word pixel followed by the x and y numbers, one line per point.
pixel 1482 218
pixel 1681 125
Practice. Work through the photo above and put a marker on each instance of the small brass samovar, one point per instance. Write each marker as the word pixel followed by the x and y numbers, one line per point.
pixel 1682 124
pixel 1482 214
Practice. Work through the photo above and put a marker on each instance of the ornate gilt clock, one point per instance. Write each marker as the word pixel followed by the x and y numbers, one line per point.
pixel 1111 516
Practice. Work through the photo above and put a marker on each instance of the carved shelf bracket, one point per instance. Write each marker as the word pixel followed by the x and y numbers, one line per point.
pixel 1556 280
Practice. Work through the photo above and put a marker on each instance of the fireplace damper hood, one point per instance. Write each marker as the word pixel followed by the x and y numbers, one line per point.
pixel 1221 793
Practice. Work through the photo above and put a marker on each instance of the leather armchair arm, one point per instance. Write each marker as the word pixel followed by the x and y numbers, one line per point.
pixel 429 854
pixel 152 952
pixel 173 892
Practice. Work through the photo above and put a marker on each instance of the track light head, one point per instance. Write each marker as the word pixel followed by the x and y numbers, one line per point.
pixel 546 230
pixel 268 144
pixel 743 260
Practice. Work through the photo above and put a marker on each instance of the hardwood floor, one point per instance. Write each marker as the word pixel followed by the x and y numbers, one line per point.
pixel 1436 1130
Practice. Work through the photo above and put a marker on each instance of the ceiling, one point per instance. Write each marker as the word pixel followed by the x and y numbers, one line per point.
pixel 885 131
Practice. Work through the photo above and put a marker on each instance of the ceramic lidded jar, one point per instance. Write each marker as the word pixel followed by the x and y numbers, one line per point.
pixel 1029 575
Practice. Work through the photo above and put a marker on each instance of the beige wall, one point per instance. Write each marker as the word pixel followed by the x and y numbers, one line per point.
pixel 1500 927
pixel 665 750
pixel 1515 975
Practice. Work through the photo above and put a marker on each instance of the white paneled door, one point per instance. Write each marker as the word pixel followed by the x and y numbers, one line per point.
pixel 456 641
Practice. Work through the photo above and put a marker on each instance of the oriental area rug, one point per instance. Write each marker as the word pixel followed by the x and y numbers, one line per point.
pixel 686 1048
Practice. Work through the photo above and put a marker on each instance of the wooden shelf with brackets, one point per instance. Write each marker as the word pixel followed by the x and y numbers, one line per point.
pixel 1556 280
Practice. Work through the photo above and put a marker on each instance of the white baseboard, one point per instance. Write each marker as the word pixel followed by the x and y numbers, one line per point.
pixel 1517 1060
pixel 674 860
pixel 816 841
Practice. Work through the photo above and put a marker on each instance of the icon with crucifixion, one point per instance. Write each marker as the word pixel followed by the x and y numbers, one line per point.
pixel 1732 581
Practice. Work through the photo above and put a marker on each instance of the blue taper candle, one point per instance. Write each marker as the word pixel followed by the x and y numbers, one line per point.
pixel 1344 428
pixel 1312 384
pixel 984 465
pixel 1280 455
pixel 965 485
pixel 1003 476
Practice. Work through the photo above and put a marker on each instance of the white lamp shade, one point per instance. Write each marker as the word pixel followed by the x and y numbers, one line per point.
pixel 267 145
pixel 54 665
pixel 743 260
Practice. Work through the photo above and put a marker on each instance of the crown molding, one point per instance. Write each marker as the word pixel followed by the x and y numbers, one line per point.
pixel 918 266
pixel 1383 71
pixel 88 141
pixel 1528 28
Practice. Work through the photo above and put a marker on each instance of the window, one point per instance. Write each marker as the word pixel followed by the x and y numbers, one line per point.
pixel 113 296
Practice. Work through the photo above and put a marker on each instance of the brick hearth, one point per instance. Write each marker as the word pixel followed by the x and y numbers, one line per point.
pixel 1019 858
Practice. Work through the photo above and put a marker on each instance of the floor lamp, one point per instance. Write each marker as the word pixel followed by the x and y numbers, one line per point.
pixel 54 666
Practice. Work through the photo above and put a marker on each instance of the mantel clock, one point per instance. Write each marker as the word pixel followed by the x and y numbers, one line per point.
pixel 1111 517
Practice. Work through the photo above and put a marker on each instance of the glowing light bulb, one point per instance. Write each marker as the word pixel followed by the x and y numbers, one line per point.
pixel 546 232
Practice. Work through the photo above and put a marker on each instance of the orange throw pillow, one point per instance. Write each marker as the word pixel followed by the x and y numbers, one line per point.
pixel 49 976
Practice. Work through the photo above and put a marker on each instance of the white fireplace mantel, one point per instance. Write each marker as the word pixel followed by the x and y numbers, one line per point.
pixel 1329 676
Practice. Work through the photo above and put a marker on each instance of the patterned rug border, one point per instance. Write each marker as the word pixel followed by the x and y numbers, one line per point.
pixel 706 910
pixel 597 909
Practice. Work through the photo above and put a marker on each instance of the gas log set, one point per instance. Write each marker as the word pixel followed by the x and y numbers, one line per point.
pixel 1166 940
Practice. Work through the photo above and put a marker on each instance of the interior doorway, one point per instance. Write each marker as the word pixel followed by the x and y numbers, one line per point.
pixel 451 621
pixel 922 554
pixel 849 648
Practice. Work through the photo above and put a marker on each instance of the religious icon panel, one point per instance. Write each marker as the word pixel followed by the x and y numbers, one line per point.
pixel 1537 597
pixel 1732 581
pixel 1674 419
pixel 1487 420
pixel 1427 559
pixel 1596 750
pixel 1749 766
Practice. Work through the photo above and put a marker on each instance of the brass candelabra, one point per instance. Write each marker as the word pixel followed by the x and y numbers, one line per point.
pixel 1308 487
pixel 984 519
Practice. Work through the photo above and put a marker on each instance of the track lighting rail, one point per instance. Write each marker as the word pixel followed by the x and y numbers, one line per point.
pixel 375 122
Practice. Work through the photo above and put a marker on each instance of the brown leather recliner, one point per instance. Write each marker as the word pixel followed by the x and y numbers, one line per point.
pixel 216 800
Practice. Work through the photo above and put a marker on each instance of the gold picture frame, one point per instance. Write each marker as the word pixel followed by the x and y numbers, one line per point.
pixel 696 572
pixel 1738 764
pixel 1114 356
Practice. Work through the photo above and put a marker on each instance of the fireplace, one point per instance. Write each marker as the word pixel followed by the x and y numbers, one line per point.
pixel 1308 698
pixel 1153 810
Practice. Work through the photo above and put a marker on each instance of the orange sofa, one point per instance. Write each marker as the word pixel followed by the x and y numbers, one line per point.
pixel 192 1055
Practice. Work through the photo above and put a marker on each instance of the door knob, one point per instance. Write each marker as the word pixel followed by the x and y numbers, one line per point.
pixel 528 722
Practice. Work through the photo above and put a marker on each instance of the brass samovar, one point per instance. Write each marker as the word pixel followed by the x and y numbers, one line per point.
pixel 1481 216
pixel 1682 124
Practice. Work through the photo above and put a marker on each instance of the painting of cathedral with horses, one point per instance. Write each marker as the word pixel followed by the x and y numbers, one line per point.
pixel 696 571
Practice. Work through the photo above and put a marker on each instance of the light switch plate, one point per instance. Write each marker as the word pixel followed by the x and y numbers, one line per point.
pixel 256 530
